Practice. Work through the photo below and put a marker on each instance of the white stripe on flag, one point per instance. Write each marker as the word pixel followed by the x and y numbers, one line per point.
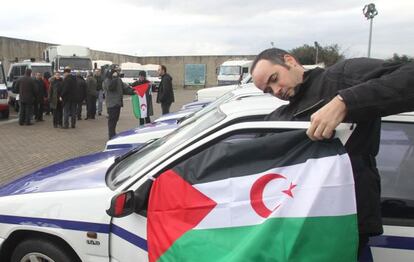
pixel 324 187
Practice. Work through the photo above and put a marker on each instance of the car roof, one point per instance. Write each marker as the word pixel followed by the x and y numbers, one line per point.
pixel 252 105
pixel 403 117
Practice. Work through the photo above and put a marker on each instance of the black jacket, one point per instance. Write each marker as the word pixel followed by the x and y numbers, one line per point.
pixel 40 90
pixel 69 89
pixel 165 90
pixel 81 89
pixel 27 89
pixel 371 88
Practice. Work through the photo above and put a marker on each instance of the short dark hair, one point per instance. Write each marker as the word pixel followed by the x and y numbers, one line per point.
pixel 28 72
pixel 274 55
pixel 142 73
pixel 164 68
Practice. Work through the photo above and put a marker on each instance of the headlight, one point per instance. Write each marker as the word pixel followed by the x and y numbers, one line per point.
pixel 196 97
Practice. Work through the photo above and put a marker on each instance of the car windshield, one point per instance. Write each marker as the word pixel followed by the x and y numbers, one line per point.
pixel 230 70
pixel 157 149
pixel 41 69
pixel 75 63
pixel 152 73
pixel 1 74
pixel 247 79
pixel 131 73
pixel 221 100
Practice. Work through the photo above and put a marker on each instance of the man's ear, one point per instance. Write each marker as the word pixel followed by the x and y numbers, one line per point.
pixel 289 60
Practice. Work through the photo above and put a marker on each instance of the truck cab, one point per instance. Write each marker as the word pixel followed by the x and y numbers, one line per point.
pixel 233 71
pixel 130 72
pixel 78 58
pixel 152 75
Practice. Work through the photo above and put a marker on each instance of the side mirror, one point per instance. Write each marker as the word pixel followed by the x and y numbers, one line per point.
pixel 217 70
pixel 95 66
pixel 245 70
pixel 122 204
pixel 8 79
pixel 53 66
pixel 121 75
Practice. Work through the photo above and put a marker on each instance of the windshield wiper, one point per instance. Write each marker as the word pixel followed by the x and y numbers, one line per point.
pixel 185 117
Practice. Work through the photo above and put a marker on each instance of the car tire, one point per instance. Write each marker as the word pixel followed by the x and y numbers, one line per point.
pixel 40 250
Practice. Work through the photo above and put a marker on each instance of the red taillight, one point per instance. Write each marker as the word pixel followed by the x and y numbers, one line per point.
pixel 120 204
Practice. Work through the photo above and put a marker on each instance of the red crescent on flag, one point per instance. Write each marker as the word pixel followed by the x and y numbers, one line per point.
pixel 143 107
pixel 256 194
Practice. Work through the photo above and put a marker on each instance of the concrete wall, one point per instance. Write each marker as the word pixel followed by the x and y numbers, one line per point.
pixel 12 48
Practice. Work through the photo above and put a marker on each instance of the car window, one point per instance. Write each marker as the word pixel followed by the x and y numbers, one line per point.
pixel 395 163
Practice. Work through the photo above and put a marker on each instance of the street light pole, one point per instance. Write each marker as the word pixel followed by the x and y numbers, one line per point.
pixel 317 51
pixel 370 12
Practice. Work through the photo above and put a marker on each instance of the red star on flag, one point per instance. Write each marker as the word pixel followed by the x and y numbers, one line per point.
pixel 289 190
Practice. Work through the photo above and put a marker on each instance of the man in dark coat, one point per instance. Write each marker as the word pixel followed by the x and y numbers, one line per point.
pixel 165 95
pixel 360 91
pixel 40 98
pixel 55 99
pixel 26 87
pixel 69 97
pixel 91 95
pixel 80 94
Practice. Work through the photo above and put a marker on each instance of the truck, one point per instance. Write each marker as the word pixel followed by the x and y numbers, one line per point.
pixel 4 102
pixel 130 71
pixel 97 64
pixel 233 71
pixel 78 58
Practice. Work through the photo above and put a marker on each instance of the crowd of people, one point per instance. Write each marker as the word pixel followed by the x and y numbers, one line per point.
pixel 64 96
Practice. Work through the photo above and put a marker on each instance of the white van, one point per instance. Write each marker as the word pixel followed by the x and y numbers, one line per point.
pixel 130 71
pixel 17 70
pixel 233 71
pixel 152 75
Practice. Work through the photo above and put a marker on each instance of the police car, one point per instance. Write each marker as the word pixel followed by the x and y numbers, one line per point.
pixel 165 124
pixel 60 213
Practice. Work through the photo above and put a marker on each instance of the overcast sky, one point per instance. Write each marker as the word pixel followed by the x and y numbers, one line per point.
pixel 208 27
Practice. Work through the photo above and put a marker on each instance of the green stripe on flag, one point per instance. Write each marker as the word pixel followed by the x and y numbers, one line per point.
pixel 136 106
pixel 309 239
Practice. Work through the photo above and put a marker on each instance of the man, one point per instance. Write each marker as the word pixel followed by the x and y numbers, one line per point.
pixel 165 95
pixel 357 90
pixel 99 88
pixel 114 90
pixel 55 99
pixel 91 95
pixel 69 97
pixel 80 94
pixel 40 98
pixel 26 87
pixel 142 79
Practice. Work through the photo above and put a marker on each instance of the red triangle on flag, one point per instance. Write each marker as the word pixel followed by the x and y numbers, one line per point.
pixel 174 208
pixel 141 89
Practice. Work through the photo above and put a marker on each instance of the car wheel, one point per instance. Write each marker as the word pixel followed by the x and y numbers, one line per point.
pixel 40 250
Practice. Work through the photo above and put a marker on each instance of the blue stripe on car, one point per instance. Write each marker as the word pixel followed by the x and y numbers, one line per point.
pixel 55 223
pixel 392 242
pixel 128 236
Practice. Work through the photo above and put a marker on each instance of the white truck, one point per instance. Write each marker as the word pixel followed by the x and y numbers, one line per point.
pixel 130 71
pixel 78 58
pixel 97 64
pixel 233 71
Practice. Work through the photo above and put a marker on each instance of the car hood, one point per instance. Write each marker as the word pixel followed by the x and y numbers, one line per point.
pixel 77 173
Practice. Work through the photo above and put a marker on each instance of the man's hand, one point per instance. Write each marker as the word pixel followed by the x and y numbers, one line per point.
pixel 325 120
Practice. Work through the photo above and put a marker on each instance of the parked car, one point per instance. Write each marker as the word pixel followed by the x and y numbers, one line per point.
pixel 212 93
pixel 4 102
pixel 165 124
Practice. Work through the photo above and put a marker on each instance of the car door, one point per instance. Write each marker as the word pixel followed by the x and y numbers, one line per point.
pixel 395 163
pixel 128 237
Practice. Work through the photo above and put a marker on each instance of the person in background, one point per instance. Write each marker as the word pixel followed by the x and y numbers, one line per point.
pixel 142 79
pixel 40 98
pixel 55 99
pixel 46 77
pixel 69 98
pixel 99 88
pixel 91 95
pixel 114 91
pixel 26 88
pixel 165 95
pixel 80 94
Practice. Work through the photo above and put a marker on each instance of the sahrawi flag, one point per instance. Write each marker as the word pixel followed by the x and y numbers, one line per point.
pixel 280 197
pixel 139 101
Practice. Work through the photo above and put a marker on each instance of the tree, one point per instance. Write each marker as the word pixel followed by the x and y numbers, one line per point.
pixel 329 55
pixel 402 58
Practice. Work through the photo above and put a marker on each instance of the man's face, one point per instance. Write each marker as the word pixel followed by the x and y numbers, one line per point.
pixel 57 75
pixel 160 71
pixel 141 78
pixel 276 79
pixel 38 76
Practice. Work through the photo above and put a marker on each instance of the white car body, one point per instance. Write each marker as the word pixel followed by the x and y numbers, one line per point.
pixel 152 75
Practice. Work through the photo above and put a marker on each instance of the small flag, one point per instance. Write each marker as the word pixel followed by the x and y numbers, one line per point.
pixel 139 101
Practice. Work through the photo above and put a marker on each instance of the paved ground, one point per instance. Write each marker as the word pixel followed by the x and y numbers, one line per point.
pixel 24 149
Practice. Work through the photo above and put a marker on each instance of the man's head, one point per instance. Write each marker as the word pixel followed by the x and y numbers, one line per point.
pixel 98 72
pixel 162 70
pixel 57 75
pixel 142 75
pixel 28 72
pixel 277 72
pixel 38 75
pixel 66 71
